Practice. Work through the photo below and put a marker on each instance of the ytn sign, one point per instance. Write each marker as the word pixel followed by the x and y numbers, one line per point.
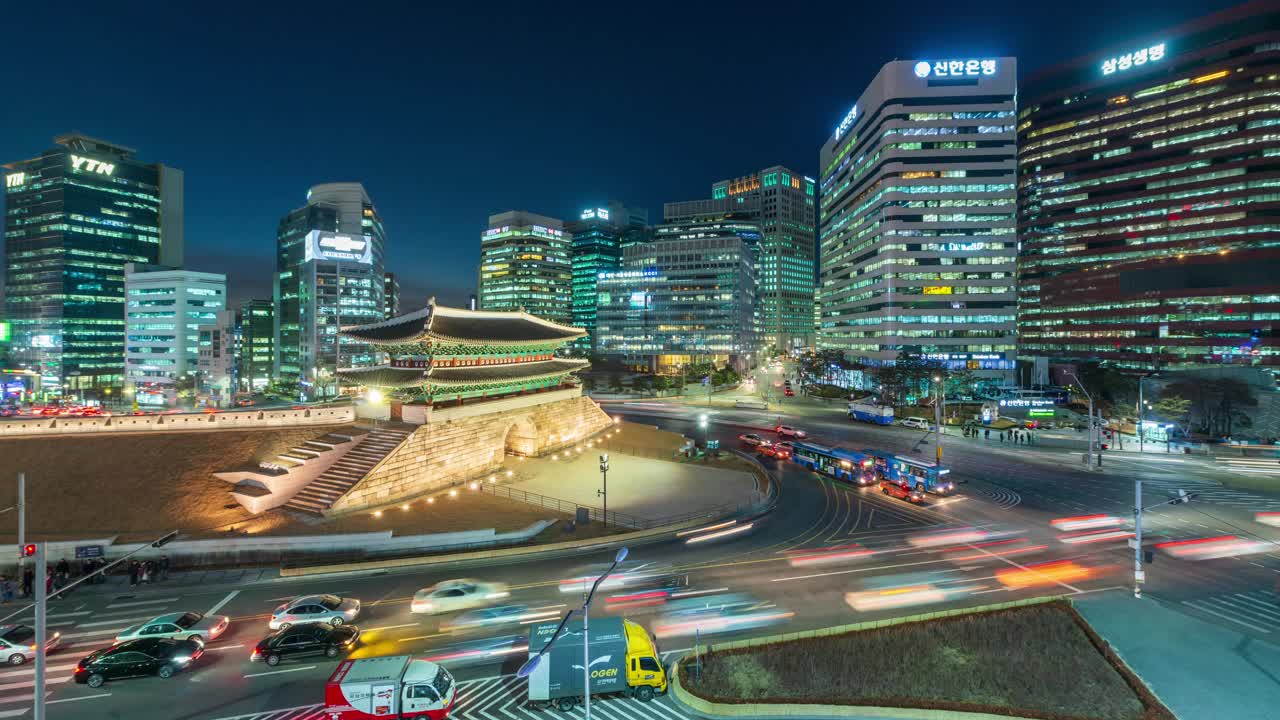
pixel 91 165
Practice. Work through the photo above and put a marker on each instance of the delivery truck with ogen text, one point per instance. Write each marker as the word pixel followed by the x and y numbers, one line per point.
pixel 624 659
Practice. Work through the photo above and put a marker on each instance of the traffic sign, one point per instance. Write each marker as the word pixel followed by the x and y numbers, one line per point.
pixel 88 551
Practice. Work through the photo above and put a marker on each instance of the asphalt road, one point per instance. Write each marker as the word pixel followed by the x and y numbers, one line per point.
pixel 799 565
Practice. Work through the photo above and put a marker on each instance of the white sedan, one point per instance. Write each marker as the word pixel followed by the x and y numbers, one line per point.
pixel 452 595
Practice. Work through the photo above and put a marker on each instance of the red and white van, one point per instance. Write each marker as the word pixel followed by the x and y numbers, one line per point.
pixel 399 686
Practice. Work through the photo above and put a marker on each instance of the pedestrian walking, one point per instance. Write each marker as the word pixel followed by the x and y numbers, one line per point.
pixel 133 573
pixel 28 579
pixel 164 567
pixel 6 589
pixel 986 434
pixel 1001 437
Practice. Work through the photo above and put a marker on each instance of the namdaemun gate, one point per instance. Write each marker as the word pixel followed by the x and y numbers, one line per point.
pixel 480 385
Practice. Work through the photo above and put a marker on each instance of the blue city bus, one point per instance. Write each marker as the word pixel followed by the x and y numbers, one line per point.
pixel 842 464
pixel 920 474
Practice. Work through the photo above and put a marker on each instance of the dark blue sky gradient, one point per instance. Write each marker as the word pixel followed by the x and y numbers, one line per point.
pixel 450 111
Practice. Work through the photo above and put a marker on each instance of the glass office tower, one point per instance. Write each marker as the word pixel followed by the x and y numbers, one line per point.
pixel 1149 203
pixel 74 217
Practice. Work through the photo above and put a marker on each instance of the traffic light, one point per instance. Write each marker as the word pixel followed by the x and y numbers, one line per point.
pixel 28 550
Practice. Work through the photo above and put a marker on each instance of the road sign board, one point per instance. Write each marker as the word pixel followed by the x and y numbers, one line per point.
pixel 88 551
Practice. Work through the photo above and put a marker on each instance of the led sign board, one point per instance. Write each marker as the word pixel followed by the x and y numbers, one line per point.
pixel 847 122
pixel 955 68
pixel 1119 63
pixel 323 245
pixel 595 213
pixel 14 179
pixel 937 290
pixel 91 165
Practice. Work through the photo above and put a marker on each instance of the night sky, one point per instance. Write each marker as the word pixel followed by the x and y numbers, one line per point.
pixel 448 112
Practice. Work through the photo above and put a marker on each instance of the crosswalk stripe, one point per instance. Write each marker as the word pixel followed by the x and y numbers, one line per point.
pixel 1216 613
pixel 1249 608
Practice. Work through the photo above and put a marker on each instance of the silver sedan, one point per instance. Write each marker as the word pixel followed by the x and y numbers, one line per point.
pixel 180 626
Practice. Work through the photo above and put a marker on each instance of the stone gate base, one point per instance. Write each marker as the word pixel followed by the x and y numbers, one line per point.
pixel 459 443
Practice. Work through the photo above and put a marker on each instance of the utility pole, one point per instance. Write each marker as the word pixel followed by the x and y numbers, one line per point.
pixel 1141 413
pixel 604 478
pixel 1139 576
pixel 22 521
pixel 1094 461
pixel 41 630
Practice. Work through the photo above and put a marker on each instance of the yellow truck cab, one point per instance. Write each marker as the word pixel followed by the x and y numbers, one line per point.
pixel 644 667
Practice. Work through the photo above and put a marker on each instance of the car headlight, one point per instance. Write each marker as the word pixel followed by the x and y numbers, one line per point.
pixel 182 659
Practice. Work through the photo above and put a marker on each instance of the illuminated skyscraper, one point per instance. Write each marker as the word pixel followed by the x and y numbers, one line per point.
pixel 525 263
pixel 1148 200
pixel 329 273
pixel 74 217
pixel 599 235
pixel 917 225
pixel 784 202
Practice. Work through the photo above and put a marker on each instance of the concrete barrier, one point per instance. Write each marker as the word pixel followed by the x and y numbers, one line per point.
pixel 262 549
pixel 650 535
pixel 179 422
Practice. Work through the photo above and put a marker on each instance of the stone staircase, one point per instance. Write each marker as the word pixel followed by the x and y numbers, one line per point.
pixel 350 469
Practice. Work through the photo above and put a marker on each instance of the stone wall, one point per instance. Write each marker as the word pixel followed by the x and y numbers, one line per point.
pixel 179 422
pixel 447 450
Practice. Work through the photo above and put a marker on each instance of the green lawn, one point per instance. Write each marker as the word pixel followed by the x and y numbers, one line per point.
pixel 1035 661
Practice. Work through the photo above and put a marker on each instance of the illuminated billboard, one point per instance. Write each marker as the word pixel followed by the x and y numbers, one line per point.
pixel 322 245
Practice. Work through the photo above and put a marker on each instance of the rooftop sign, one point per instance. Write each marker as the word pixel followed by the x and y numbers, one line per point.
pixel 1133 59
pixel 955 68
pixel 91 165
pixel 847 122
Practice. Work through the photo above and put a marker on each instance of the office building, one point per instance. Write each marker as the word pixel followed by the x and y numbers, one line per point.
pixel 255 343
pixel 599 235
pixel 329 273
pixel 216 361
pixel 784 208
pixel 163 313
pixel 390 296
pixel 74 216
pixel 1148 200
pixel 525 263
pixel 686 297
pixel 917 206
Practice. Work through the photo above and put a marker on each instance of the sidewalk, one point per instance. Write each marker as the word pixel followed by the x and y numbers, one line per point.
pixel 1201 671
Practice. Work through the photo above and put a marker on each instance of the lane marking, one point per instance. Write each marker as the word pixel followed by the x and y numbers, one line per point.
pixel 277 672
pixel 93 633
pixel 390 627
pixel 264 713
pixel 119 622
pixel 136 603
pixel 422 637
pixel 25 670
pixel 224 647
pixel 218 606
pixel 1024 568
pixel 77 699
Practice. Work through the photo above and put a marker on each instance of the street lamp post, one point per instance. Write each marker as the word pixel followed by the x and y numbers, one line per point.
pixel 937 419
pixel 532 663
pixel 1092 455
pixel 604 478
pixel 1139 576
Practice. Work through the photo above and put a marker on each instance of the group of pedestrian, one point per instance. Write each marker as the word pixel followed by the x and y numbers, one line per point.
pixel 1017 437
pixel 148 571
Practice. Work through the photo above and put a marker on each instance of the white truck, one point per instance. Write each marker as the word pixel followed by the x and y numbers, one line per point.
pixel 399 686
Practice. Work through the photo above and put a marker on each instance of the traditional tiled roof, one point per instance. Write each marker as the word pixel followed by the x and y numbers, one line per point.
pixel 446 376
pixel 456 325
pixel 385 376
pixel 403 329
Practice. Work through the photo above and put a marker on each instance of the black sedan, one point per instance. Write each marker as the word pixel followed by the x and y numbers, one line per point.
pixel 136 658
pixel 306 639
